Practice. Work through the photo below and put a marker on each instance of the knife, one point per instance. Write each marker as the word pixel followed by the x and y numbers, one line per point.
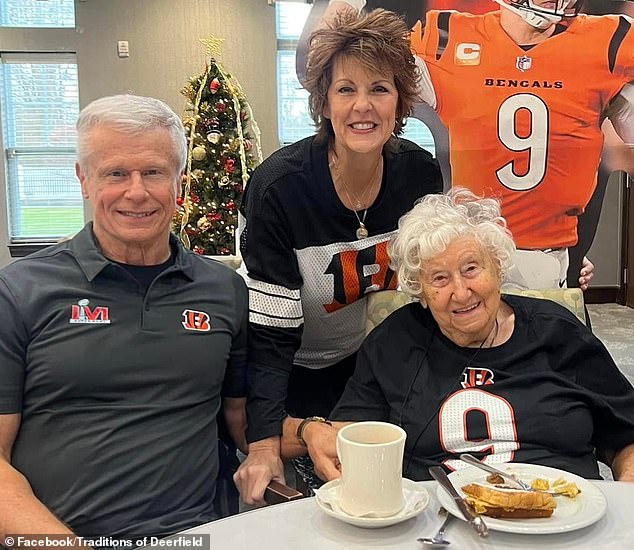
pixel 470 517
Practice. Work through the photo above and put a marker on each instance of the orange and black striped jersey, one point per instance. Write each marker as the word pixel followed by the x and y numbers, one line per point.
pixel 524 125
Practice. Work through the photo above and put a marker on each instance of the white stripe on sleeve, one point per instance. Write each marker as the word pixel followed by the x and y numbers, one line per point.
pixel 273 305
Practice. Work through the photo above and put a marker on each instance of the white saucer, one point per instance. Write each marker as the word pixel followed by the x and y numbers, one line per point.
pixel 416 500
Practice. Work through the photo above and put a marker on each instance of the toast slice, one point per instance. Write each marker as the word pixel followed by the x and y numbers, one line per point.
pixel 509 503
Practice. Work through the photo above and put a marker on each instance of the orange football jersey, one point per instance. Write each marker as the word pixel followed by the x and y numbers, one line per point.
pixel 470 6
pixel 524 125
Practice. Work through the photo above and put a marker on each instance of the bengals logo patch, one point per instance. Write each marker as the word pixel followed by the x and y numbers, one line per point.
pixel 473 377
pixel 198 321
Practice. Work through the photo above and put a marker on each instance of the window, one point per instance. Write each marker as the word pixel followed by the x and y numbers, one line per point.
pixel 40 104
pixel 36 13
pixel 294 120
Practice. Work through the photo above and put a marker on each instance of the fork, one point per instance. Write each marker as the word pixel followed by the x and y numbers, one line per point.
pixel 439 538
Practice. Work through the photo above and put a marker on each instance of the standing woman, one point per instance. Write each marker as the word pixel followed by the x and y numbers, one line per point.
pixel 315 222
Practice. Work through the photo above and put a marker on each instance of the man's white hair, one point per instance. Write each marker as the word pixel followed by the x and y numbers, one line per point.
pixel 130 114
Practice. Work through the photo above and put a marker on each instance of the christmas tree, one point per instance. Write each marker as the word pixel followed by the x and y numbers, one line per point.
pixel 223 150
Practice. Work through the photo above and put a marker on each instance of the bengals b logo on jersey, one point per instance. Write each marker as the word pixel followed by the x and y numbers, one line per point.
pixel 357 272
pixel 473 377
pixel 198 321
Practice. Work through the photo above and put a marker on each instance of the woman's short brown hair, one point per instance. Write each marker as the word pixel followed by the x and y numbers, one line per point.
pixel 379 40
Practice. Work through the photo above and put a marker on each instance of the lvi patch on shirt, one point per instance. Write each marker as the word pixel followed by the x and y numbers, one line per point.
pixel 83 314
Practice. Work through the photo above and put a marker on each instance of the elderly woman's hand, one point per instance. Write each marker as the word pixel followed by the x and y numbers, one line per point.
pixel 586 274
pixel 321 440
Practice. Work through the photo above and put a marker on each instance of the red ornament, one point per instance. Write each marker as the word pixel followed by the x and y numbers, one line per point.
pixel 231 205
pixel 220 107
pixel 223 250
pixel 194 198
pixel 229 166
pixel 214 85
pixel 198 250
pixel 179 201
pixel 214 217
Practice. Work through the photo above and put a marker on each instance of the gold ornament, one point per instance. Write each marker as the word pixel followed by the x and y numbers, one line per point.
pixel 199 153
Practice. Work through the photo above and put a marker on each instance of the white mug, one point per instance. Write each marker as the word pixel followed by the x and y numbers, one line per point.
pixel 371 456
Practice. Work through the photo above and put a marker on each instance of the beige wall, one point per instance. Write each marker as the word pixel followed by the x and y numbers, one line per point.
pixel 164 51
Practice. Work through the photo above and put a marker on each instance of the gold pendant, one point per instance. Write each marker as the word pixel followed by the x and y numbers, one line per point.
pixel 362 232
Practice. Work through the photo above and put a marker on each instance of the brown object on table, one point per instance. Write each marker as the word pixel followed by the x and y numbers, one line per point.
pixel 509 503
pixel 495 479
pixel 277 492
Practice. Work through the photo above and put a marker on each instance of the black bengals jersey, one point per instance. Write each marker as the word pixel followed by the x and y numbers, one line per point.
pixel 550 395
pixel 307 272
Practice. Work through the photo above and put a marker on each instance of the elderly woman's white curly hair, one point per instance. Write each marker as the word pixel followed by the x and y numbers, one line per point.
pixel 435 221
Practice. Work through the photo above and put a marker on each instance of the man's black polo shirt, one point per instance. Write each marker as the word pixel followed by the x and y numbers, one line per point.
pixel 119 388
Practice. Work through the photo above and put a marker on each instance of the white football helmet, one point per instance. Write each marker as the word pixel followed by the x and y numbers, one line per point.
pixel 542 15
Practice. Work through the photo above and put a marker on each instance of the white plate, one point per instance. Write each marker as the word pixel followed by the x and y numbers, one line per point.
pixel 589 506
pixel 416 500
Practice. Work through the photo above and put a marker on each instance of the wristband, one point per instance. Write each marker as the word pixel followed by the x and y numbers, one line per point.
pixel 302 425
pixel 356 4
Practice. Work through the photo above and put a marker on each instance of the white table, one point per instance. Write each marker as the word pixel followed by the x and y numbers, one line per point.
pixel 301 525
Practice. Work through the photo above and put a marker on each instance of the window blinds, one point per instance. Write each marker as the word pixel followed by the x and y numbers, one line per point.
pixel 40 104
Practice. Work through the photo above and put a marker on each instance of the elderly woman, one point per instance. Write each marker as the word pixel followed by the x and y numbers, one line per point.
pixel 465 369
pixel 316 219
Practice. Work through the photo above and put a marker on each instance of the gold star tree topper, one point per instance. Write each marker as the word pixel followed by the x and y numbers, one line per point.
pixel 212 44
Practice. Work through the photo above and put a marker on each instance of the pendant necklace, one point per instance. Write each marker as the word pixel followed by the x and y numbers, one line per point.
pixel 362 231
pixel 494 332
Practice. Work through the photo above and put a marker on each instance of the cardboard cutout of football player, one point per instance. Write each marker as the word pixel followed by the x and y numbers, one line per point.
pixel 535 81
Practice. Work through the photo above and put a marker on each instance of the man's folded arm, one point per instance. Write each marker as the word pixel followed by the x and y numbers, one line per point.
pixel 21 513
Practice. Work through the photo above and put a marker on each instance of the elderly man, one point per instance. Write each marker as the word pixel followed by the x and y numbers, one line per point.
pixel 115 349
